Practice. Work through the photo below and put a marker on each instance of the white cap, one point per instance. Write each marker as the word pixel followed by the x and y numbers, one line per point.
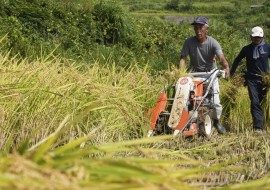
pixel 257 32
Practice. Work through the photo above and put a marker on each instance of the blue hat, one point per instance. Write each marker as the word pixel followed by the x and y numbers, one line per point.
pixel 200 20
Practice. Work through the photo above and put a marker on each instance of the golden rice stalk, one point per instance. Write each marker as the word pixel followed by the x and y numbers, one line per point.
pixel 266 79
pixel 238 80
pixel 171 75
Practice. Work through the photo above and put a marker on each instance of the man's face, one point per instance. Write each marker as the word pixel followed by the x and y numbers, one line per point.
pixel 200 31
pixel 256 40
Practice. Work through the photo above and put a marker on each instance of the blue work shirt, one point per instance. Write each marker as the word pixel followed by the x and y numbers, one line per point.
pixel 255 67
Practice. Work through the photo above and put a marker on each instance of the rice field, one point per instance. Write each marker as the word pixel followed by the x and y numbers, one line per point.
pixel 66 125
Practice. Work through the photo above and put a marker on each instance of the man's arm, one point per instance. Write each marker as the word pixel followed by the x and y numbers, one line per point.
pixel 237 60
pixel 225 65
pixel 182 62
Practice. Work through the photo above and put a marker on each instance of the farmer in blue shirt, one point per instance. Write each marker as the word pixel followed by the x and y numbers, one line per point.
pixel 256 54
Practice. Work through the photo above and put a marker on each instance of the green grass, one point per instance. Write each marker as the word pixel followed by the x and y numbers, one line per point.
pixel 224 4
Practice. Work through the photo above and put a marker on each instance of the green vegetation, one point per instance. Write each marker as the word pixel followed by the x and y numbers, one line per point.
pixel 77 77
pixel 104 30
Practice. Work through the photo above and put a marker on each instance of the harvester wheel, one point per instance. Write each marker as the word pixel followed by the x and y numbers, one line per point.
pixel 162 125
pixel 205 123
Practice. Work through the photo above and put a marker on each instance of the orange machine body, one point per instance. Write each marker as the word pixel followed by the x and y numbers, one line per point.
pixel 160 107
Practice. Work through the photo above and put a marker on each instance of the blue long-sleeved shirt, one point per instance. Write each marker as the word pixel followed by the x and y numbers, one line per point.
pixel 255 67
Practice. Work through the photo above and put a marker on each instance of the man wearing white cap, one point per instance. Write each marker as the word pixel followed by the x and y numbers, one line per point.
pixel 202 50
pixel 256 54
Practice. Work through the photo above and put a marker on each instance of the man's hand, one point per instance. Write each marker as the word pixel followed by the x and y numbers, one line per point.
pixel 227 73
pixel 225 65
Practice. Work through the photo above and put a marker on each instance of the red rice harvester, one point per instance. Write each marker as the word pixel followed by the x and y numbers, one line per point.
pixel 186 107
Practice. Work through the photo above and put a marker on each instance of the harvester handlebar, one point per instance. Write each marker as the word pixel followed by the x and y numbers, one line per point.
pixel 219 73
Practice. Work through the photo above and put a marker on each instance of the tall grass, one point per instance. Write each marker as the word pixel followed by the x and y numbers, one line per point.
pixel 66 125
pixel 236 105
pixel 39 95
pixel 79 127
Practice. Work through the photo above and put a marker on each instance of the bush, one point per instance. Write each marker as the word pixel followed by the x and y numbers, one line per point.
pixel 111 22
pixel 172 5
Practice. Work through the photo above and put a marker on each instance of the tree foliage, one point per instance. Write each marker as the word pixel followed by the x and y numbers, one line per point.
pixel 104 30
